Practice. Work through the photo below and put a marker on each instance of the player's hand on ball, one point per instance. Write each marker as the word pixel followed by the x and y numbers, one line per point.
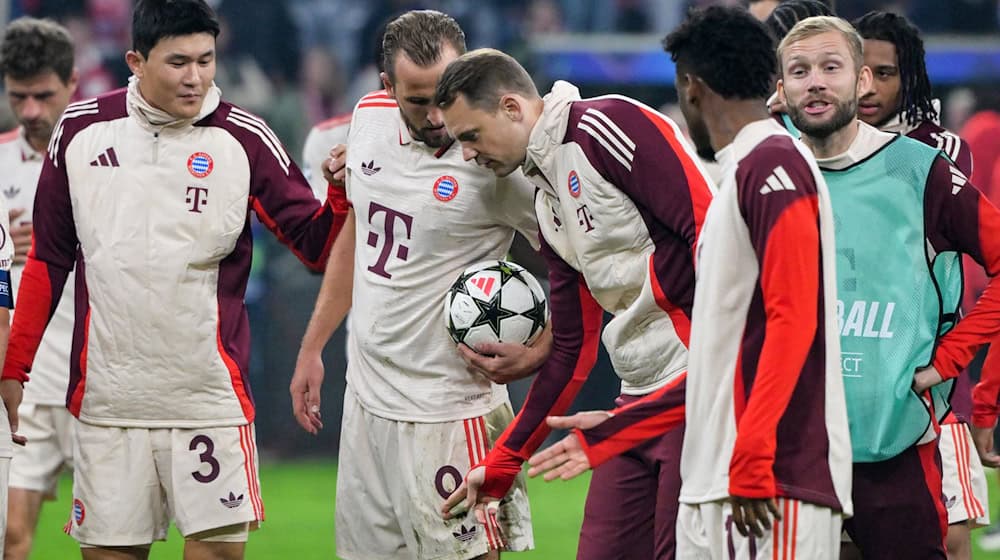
pixel 566 459
pixel 335 166
pixel 505 362
pixel 11 391
pixel 750 515
pixel 983 438
pixel 305 389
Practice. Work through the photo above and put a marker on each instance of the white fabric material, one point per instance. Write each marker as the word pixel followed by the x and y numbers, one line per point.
pixel 50 431
pixel 868 140
pixel 706 532
pixel 644 348
pixel 404 365
pixel 963 477
pixel 728 273
pixel 131 482
pixel 392 478
pixel 50 371
pixel 146 242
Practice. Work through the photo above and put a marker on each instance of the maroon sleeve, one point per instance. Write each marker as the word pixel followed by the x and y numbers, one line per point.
pixel 280 194
pixel 654 414
pixel 576 327
pixel 959 218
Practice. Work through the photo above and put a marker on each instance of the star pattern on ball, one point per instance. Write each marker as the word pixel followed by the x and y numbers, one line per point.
pixel 537 314
pixel 491 313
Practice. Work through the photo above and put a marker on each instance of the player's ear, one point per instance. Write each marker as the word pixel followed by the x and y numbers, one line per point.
pixel 865 79
pixel 695 89
pixel 135 62
pixel 510 105
pixel 386 83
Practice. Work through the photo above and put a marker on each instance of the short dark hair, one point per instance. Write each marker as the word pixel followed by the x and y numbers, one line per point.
pixel 420 34
pixel 788 13
pixel 32 46
pixel 154 20
pixel 915 86
pixel 483 76
pixel 727 48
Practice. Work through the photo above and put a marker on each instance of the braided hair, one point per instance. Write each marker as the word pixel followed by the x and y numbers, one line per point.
pixel 915 87
pixel 788 13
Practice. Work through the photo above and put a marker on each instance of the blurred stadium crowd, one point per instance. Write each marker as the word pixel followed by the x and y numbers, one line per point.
pixel 297 62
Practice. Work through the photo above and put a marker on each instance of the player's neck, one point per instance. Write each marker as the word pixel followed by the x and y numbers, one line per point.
pixel 730 117
pixel 835 144
pixel 38 144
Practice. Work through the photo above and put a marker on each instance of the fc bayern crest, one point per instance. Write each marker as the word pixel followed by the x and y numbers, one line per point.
pixel 445 188
pixel 574 184
pixel 200 164
pixel 79 513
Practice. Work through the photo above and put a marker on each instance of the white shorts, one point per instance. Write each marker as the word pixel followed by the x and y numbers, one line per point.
pixel 393 478
pixel 706 532
pixel 130 482
pixel 963 478
pixel 50 431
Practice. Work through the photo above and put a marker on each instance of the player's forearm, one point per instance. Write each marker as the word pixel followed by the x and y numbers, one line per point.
pixel 653 415
pixel 41 288
pixel 334 299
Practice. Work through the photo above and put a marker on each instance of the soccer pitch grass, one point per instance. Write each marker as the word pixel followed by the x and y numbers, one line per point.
pixel 298 504
pixel 298 497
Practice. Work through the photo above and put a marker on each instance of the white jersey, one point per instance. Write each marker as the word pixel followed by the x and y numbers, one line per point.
pixel 50 372
pixel 320 140
pixel 765 403
pixel 423 215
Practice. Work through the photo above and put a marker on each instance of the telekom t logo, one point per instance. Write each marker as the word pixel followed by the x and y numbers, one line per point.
pixel 586 218
pixel 197 197
pixel 402 251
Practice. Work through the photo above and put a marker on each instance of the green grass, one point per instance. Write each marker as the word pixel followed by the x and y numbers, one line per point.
pixel 298 501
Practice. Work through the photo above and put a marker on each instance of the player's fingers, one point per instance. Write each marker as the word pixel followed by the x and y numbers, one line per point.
pixel 563 422
pixel 760 510
pixel 772 506
pixel 738 520
pixel 574 470
pixel 491 519
pixel 543 458
pixel 18 439
pixel 457 497
pixel 16 213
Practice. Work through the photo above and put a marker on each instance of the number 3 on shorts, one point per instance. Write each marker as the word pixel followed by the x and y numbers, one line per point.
pixel 206 458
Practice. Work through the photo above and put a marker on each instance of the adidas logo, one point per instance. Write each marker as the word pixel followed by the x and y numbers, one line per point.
pixel 949 502
pixel 233 502
pixel 11 191
pixel 484 284
pixel 778 181
pixel 106 159
pixel 465 535
pixel 958 180
pixel 369 168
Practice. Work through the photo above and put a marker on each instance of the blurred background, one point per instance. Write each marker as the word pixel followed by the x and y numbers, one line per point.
pixel 298 62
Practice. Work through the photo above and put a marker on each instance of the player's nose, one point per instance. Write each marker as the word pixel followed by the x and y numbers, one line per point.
pixel 468 154
pixel 435 116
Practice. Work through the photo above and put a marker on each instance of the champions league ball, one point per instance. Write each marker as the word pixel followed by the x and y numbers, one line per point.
pixel 495 301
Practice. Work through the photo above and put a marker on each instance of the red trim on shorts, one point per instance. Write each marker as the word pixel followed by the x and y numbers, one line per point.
pixel 795 525
pixel 247 445
pixel 468 442
pixel 973 507
pixel 932 477
pixel 253 469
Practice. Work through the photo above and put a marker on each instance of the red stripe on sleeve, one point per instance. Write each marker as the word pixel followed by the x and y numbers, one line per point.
pixel 789 282
pixel 982 323
pixel 76 398
pixel 655 414
pixel 986 393
pixel 36 302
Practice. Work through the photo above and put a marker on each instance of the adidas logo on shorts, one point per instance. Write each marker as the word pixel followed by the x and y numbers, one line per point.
pixel 233 502
pixel 465 535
